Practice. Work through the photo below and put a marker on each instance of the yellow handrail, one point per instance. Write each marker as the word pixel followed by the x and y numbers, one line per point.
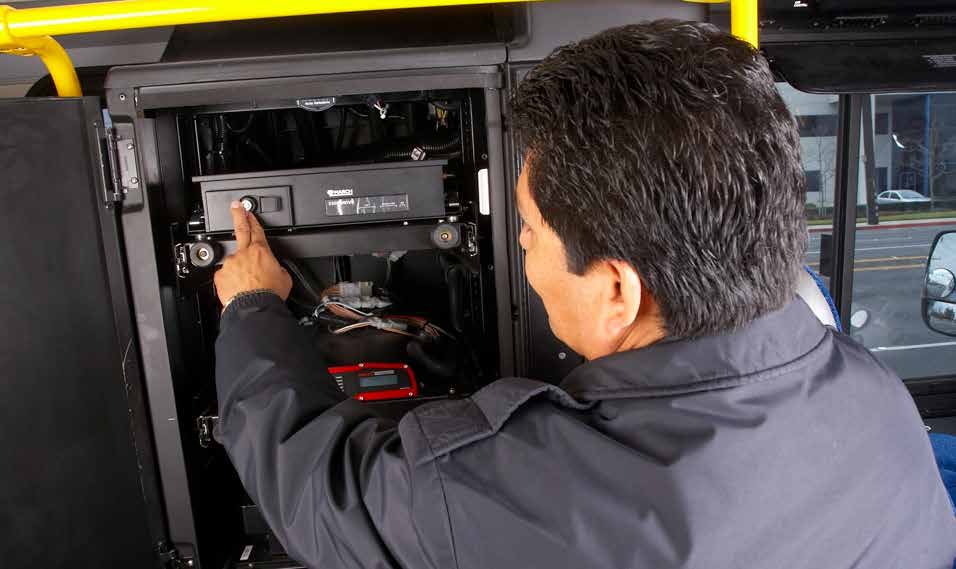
pixel 743 18
pixel 127 14
pixel 28 31
pixel 48 50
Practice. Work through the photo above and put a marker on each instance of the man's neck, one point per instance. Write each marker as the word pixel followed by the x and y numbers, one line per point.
pixel 642 334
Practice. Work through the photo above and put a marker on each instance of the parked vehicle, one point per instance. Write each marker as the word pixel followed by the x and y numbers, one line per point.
pixel 906 200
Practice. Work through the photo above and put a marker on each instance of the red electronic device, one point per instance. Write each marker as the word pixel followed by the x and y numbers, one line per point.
pixel 376 381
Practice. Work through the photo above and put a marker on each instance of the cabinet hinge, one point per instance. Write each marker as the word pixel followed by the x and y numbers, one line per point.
pixel 117 155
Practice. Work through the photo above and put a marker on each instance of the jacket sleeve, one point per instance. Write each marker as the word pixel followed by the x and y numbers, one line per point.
pixel 331 478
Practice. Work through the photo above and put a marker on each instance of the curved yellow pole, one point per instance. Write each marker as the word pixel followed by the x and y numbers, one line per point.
pixel 54 57
pixel 126 14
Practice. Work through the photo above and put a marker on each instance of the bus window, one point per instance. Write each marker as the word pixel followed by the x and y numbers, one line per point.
pixel 817 119
pixel 914 175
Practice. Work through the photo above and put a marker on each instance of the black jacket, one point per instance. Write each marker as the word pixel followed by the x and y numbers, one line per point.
pixel 784 444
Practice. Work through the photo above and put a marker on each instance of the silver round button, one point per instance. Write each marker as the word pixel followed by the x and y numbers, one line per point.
pixel 249 203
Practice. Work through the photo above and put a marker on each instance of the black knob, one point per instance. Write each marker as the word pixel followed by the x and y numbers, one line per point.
pixel 446 236
pixel 249 203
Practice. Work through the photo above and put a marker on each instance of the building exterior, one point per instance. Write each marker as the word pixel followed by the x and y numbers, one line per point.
pixel 914 145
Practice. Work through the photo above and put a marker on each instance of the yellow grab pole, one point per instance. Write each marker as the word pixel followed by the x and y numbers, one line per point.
pixel 48 50
pixel 743 18
pixel 127 14
pixel 59 65
pixel 744 22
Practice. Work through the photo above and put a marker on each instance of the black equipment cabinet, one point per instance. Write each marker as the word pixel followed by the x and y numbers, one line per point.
pixel 108 323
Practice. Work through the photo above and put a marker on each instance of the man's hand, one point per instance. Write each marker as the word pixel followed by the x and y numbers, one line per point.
pixel 253 266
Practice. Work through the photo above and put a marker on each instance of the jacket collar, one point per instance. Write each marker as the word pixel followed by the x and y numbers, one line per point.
pixel 672 367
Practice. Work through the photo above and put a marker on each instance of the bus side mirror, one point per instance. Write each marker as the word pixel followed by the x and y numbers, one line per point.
pixel 939 287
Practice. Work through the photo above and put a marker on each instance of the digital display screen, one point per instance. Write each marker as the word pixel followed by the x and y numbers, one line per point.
pixel 366 205
pixel 379 379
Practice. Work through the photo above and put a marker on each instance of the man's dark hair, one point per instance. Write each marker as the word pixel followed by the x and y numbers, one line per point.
pixel 666 145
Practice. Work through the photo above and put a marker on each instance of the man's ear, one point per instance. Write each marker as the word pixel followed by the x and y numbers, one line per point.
pixel 620 291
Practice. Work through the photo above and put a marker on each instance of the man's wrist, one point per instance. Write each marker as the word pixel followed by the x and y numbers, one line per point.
pixel 248 296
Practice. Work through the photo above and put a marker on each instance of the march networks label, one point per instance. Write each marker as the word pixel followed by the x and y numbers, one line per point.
pixel 366 205
pixel 343 193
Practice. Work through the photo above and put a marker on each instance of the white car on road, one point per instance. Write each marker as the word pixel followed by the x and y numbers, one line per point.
pixel 903 199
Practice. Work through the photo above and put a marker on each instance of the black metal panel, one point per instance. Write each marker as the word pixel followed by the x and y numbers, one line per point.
pixel 282 92
pixel 346 241
pixel 856 46
pixel 71 417
pixel 844 203
pixel 538 352
pixel 872 66
pixel 349 31
pixel 122 83
pixel 502 209
pixel 148 294
pixel 329 196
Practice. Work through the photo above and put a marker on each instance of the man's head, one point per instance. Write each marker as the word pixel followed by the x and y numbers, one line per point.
pixel 662 192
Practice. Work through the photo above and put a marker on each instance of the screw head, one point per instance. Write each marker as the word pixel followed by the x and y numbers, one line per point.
pixel 445 236
pixel 134 180
pixel 122 96
pixel 203 254
pixel 562 355
pixel 129 146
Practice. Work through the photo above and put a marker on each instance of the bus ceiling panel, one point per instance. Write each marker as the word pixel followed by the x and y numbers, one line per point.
pixel 351 31
pixel 852 46
pixel 866 66
pixel 307 64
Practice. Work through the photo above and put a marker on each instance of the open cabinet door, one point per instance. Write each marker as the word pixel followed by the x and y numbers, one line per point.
pixel 77 478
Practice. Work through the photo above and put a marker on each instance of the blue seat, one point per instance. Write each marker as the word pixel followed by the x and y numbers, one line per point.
pixel 944 447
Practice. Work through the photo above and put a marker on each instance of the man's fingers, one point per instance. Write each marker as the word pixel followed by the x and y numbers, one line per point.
pixel 256 233
pixel 240 222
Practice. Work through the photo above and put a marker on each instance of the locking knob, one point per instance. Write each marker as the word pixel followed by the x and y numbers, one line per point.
pixel 249 203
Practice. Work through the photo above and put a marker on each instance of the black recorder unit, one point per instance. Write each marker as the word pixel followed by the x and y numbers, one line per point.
pixel 337 195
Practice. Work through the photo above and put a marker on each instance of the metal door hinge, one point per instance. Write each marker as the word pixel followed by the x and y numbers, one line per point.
pixel 181 259
pixel 118 164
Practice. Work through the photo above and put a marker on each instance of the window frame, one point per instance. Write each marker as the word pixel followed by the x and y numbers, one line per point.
pixel 934 396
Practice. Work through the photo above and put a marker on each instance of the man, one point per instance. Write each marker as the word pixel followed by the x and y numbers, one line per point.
pixel 717 423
